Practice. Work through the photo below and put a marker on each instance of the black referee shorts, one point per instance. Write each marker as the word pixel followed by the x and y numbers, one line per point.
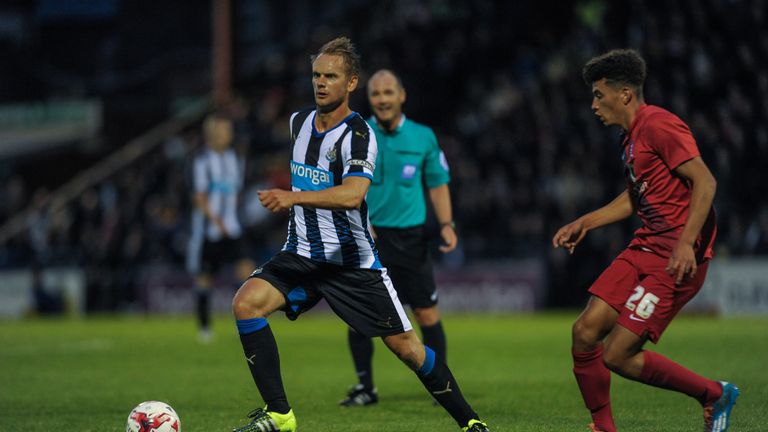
pixel 363 298
pixel 405 253
pixel 218 253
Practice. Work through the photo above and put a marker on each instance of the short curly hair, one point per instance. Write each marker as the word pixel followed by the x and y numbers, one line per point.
pixel 618 67
pixel 343 47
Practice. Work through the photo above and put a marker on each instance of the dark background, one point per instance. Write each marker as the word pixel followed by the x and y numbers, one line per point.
pixel 498 81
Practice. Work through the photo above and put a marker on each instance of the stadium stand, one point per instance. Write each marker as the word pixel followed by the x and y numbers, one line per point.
pixel 498 80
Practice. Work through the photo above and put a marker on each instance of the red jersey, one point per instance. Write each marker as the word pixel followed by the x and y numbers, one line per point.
pixel 655 145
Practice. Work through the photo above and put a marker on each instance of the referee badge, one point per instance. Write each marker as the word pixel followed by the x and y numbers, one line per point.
pixel 331 155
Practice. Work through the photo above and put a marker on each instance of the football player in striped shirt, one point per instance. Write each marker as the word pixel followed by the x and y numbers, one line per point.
pixel 329 252
pixel 216 237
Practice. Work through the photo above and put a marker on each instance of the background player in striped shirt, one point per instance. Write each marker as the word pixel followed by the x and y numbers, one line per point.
pixel 329 252
pixel 409 158
pixel 637 296
pixel 216 235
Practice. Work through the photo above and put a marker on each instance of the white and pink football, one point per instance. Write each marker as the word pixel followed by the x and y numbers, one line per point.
pixel 153 416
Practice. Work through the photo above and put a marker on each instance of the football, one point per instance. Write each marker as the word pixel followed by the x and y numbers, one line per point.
pixel 153 416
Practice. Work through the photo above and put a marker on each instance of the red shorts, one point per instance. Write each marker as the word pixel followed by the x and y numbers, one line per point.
pixel 637 285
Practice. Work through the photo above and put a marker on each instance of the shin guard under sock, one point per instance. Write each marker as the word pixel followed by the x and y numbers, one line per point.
pixel 263 359
pixel 439 380
pixel 662 372
pixel 594 381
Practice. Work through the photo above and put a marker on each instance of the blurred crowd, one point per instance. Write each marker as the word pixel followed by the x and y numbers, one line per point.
pixel 500 83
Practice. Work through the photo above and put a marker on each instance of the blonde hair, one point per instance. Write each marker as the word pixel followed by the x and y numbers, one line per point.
pixel 210 122
pixel 343 47
pixel 212 135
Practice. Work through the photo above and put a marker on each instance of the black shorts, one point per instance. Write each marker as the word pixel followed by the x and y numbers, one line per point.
pixel 405 253
pixel 363 298
pixel 218 253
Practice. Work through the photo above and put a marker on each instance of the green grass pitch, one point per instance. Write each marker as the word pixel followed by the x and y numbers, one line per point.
pixel 86 375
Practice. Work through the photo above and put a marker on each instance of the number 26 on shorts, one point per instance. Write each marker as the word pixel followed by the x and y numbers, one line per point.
pixel 646 304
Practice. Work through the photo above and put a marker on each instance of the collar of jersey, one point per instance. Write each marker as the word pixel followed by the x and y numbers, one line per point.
pixel 397 129
pixel 317 134
pixel 639 115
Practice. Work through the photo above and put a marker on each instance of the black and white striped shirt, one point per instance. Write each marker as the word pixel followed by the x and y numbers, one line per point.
pixel 220 176
pixel 320 161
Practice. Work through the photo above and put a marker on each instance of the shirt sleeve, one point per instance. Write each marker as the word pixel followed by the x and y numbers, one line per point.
pixel 436 170
pixel 200 174
pixel 672 140
pixel 290 123
pixel 359 152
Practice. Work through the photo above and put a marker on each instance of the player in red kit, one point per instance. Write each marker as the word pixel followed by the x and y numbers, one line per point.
pixel 671 189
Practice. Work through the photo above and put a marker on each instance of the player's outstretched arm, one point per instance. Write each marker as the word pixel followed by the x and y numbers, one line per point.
pixel 572 234
pixel 683 259
pixel 347 196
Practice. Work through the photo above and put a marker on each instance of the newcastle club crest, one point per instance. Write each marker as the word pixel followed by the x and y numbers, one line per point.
pixel 331 155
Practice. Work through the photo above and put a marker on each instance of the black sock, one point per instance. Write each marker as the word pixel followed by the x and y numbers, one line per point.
pixel 203 310
pixel 263 359
pixel 362 355
pixel 439 380
pixel 434 337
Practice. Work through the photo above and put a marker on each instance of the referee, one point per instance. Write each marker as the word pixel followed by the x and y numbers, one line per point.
pixel 409 158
